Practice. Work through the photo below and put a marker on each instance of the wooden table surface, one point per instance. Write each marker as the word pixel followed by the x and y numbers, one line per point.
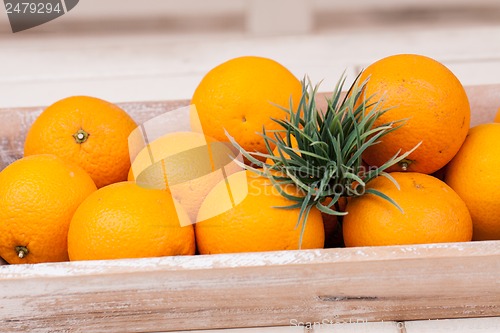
pixel 122 59
pixel 167 61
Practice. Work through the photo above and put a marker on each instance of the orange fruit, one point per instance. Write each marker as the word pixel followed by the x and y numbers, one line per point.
pixel 255 223
pixel 473 174
pixel 433 101
pixel 124 220
pixel 187 163
pixel 433 213
pixel 497 117
pixel 241 96
pixel 87 131
pixel 38 196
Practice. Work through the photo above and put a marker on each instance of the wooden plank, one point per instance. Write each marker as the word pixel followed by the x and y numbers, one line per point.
pixel 254 289
pixel 366 327
pixel 471 325
pixel 279 17
pixel 311 327
pixel 285 329
pixel 115 10
pixel 164 66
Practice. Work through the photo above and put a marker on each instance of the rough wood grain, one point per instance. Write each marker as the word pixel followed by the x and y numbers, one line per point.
pixel 364 327
pixel 254 289
pixel 476 325
pixel 166 64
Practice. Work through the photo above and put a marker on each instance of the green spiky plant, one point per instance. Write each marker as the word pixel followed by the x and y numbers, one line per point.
pixel 326 162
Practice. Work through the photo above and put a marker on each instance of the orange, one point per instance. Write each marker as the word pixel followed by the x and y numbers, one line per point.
pixel 87 131
pixel 188 163
pixel 255 224
pixel 433 213
pixel 433 101
pixel 38 196
pixel 124 220
pixel 497 117
pixel 241 96
pixel 474 175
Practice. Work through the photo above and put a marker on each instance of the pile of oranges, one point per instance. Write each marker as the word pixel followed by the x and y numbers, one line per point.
pixel 74 195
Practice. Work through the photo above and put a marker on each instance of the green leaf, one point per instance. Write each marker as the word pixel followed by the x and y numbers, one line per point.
pixel 385 197
pixel 330 145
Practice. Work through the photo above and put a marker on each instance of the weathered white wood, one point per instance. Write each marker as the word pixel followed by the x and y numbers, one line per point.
pixel 471 325
pixel 284 329
pixel 279 16
pixel 163 66
pixel 254 289
pixel 320 327
pixel 89 11
pixel 368 327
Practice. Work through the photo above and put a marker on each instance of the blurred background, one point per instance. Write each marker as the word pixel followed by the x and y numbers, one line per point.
pixel 133 50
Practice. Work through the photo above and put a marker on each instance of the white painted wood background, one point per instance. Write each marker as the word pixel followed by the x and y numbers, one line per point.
pixel 119 58
pixel 123 50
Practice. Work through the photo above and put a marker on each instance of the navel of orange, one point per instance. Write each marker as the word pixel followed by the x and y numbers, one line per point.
pixel 87 131
pixel 38 196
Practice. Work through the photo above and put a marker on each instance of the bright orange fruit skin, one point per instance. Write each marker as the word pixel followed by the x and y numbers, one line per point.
pixel 124 220
pixel 38 196
pixel 255 224
pixel 241 96
pixel 474 175
pixel 433 101
pixel 104 154
pixel 497 117
pixel 433 213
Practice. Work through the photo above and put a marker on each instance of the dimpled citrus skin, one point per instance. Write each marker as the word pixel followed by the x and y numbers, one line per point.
pixel 241 95
pixel 38 196
pixel 474 175
pixel 255 224
pixel 104 154
pixel 433 213
pixel 124 220
pixel 433 101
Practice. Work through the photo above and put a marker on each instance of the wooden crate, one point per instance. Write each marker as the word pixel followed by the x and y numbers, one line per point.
pixel 394 283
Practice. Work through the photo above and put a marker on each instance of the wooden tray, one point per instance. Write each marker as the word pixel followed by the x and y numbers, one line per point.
pixel 396 283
